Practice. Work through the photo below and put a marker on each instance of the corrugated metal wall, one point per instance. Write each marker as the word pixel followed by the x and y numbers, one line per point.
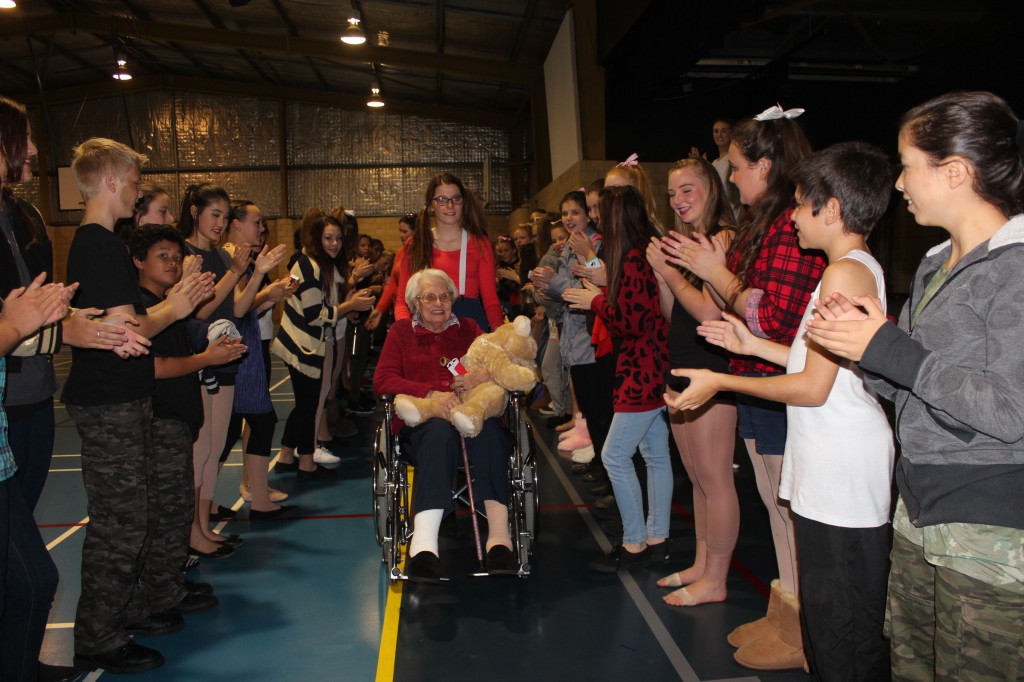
pixel 374 163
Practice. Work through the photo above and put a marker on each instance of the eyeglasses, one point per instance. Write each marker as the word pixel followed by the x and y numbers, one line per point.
pixel 444 201
pixel 431 299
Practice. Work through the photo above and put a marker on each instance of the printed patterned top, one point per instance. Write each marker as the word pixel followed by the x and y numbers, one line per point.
pixel 781 279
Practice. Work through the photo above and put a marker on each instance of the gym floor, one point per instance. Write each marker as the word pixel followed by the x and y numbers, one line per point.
pixel 307 598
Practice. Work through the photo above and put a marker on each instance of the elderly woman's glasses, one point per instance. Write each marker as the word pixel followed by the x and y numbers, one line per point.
pixel 444 201
pixel 431 299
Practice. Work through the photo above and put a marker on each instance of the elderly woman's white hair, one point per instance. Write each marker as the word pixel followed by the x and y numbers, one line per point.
pixel 419 279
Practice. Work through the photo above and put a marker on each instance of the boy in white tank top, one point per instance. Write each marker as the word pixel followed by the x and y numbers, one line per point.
pixel 838 462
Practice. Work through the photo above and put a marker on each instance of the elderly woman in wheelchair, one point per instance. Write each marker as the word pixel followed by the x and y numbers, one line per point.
pixel 414 362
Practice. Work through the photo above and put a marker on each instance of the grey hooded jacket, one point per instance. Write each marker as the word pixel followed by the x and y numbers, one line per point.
pixel 956 377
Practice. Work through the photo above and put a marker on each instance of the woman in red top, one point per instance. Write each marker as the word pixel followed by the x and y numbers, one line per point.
pixel 632 313
pixel 457 244
pixel 772 285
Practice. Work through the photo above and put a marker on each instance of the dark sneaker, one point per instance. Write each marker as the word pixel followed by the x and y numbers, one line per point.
pixel 620 558
pixel 130 658
pixel 198 588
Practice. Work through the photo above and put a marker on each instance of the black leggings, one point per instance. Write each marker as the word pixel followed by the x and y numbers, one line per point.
pixel 594 387
pixel 300 429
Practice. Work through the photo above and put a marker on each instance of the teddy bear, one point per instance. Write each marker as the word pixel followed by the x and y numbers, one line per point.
pixel 508 354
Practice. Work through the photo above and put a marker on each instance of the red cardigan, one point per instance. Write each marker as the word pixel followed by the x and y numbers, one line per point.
pixel 640 332
pixel 410 361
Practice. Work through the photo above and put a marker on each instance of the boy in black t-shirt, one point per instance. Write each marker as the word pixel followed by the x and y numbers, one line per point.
pixel 157 252
pixel 110 400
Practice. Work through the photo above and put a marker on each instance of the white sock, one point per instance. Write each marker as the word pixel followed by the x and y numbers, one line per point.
pixel 497 524
pixel 426 525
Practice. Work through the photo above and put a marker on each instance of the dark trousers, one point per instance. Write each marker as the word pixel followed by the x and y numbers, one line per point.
pixel 28 581
pixel 172 494
pixel 357 347
pixel 437 451
pixel 117 465
pixel 843 576
pixel 30 434
pixel 594 387
pixel 299 430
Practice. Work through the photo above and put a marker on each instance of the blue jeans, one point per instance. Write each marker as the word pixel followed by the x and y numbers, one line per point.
pixel 649 431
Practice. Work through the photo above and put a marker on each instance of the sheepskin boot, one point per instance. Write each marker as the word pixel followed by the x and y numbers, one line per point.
pixel 782 649
pixel 762 627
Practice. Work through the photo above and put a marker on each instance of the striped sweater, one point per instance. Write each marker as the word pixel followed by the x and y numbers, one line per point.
pixel 301 340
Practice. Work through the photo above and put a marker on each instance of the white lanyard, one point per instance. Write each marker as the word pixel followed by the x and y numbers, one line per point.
pixel 462 262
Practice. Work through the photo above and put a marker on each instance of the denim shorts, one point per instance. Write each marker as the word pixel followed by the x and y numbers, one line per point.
pixel 764 421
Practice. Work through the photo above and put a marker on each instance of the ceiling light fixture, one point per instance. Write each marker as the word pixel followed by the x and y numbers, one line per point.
pixel 375 101
pixel 353 35
pixel 8 4
pixel 122 73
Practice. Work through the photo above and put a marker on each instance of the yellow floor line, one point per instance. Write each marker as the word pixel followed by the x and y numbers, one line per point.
pixel 392 613
pixel 66 534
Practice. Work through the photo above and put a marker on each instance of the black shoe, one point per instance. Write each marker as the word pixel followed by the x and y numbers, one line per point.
pixel 425 567
pixel 602 489
pixel 501 561
pixel 607 502
pixel 318 474
pixel 283 511
pixel 192 603
pixel 595 475
pixel 191 561
pixel 234 541
pixel 130 658
pixel 286 467
pixel 198 588
pixel 56 673
pixel 222 513
pixel 620 558
pixel 157 624
pixel 223 551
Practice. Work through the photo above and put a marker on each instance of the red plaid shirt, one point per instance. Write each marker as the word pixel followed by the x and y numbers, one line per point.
pixel 781 282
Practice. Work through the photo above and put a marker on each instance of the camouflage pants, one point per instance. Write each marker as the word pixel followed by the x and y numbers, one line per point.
pixel 947 626
pixel 172 494
pixel 117 464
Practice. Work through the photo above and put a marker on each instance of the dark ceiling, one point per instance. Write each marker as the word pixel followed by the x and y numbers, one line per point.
pixel 670 65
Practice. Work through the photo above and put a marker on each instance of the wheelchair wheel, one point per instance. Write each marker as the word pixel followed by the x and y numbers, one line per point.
pixel 382 499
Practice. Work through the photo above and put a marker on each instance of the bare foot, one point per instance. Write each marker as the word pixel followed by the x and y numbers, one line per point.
pixel 202 544
pixel 700 592
pixel 685 577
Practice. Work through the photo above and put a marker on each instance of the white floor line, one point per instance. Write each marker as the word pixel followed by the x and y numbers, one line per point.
pixel 668 644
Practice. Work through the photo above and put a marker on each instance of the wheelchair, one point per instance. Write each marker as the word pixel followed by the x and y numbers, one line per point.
pixel 391 490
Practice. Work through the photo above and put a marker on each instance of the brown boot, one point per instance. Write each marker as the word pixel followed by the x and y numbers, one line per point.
pixel 762 627
pixel 782 649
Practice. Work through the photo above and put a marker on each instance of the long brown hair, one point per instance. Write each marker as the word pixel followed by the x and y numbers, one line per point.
pixel 14 149
pixel 783 143
pixel 421 246
pixel 627 225
pixel 313 245
pixel 717 215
